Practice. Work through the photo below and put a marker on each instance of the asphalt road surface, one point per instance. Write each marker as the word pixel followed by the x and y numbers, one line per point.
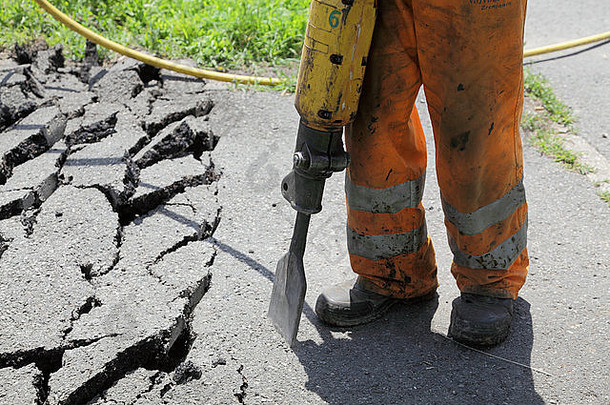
pixel 579 76
pixel 141 221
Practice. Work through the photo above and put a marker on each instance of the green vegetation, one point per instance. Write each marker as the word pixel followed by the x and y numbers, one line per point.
pixel 550 142
pixel 599 183
pixel 230 34
pixel 604 195
pixel 536 86
pixel 543 125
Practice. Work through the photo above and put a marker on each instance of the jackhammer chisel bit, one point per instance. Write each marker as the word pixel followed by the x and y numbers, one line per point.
pixel 317 155
pixel 290 285
pixel 332 68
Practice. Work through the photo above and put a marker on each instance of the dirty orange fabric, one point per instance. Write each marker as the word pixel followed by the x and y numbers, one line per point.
pixel 501 284
pixel 492 236
pixel 380 224
pixel 410 275
pixel 468 56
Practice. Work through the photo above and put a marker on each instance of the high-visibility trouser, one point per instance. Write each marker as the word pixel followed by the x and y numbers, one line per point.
pixel 468 56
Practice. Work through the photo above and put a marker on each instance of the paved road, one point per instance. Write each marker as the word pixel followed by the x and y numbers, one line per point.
pixel 405 358
pixel 141 224
pixel 580 76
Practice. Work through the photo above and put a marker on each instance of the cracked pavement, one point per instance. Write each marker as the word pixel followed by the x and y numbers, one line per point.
pixel 140 224
pixel 107 200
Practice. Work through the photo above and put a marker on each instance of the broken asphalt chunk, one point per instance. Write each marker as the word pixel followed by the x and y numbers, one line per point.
pixel 190 135
pixel 97 123
pixel 160 182
pixel 32 182
pixel 138 323
pixel 29 138
pixel 42 284
pixel 168 110
pixel 177 83
pixel 49 60
pixel 189 216
pixel 105 164
pixel 119 83
pixel 141 383
pixel 20 386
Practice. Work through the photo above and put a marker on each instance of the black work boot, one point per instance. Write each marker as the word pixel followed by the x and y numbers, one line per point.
pixel 477 320
pixel 350 304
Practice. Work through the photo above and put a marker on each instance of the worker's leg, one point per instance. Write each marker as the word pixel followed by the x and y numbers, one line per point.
pixel 387 238
pixel 470 55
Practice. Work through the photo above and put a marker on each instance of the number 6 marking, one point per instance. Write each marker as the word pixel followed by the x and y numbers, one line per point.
pixel 333 18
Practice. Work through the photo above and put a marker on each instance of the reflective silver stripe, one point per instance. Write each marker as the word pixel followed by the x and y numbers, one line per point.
pixel 475 222
pixel 388 200
pixel 377 247
pixel 500 258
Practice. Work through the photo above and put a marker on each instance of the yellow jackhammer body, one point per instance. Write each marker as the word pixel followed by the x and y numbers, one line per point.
pixel 333 62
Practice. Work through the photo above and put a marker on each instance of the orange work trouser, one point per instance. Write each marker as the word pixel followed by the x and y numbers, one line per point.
pixel 468 56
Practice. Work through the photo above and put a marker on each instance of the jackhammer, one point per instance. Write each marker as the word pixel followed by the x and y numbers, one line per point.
pixel 337 42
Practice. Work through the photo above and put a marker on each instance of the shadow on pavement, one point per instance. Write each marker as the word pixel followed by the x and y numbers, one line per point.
pixel 399 360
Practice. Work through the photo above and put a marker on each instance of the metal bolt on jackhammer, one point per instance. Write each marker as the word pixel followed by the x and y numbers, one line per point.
pixel 300 161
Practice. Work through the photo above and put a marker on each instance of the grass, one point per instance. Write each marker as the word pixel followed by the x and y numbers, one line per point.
pixel 536 86
pixel 599 183
pixel 225 34
pixel 543 126
pixel 549 142
pixel 604 195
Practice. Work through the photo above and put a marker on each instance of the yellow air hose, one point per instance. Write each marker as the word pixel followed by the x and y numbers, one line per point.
pixel 227 77
pixel 567 45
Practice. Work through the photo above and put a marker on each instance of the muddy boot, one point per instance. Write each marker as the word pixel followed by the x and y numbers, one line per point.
pixel 481 321
pixel 350 304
